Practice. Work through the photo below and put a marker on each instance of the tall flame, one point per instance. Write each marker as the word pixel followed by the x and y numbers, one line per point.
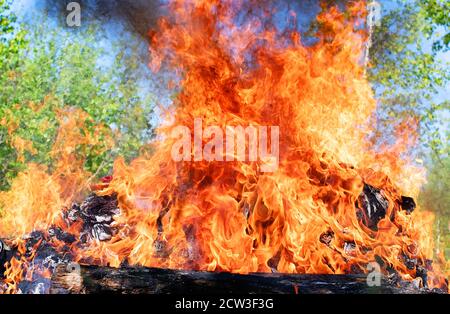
pixel 230 216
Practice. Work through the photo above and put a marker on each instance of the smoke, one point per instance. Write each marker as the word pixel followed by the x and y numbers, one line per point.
pixel 138 16
pixel 141 15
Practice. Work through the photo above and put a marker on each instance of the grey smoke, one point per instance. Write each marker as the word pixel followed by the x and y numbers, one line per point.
pixel 137 15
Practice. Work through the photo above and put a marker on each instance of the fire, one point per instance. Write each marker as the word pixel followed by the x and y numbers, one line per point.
pixel 36 197
pixel 229 216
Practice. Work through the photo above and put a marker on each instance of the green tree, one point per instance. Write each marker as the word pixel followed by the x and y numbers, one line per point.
pixel 435 196
pixel 406 75
pixel 436 13
pixel 60 69
pixel 11 42
pixel 409 77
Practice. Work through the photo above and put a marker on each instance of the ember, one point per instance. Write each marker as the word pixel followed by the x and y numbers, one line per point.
pixel 333 205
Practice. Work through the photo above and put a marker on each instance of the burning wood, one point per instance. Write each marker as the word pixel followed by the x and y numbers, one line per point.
pixel 4 256
pixel 100 210
pixel 49 248
pixel 372 206
pixel 408 204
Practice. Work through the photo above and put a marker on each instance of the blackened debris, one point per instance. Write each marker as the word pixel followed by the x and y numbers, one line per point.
pixel 2 253
pixel 35 286
pixel 72 214
pixel 161 248
pixel 45 255
pixel 357 269
pixel 327 237
pixel 393 276
pixel 422 272
pixel 372 206
pixel 61 235
pixel 273 262
pixel 408 204
pixel 2 250
pixel 379 260
pixel 350 248
pixel 102 232
pixel 5 255
pixel 97 214
pixel 409 262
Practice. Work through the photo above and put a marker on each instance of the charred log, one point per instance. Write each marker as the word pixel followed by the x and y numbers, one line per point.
pixel 5 255
pixel 2 252
pixel 132 280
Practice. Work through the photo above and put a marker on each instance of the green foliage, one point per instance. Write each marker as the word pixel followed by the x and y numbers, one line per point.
pixel 60 69
pixel 409 77
pixel 436 197
pixel 11 41
pixel 437 15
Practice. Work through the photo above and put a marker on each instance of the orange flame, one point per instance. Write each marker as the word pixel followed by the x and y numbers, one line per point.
pixel 36 197
pixel 230 217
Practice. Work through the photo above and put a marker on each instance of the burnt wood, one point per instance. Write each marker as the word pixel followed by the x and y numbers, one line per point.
pixel 134 280
pixel 5 255
pixel 2 257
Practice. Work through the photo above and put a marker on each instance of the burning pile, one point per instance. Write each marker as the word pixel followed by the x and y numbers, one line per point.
pixel 334 204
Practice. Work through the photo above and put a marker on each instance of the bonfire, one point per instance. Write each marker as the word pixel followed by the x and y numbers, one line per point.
pixel 334 204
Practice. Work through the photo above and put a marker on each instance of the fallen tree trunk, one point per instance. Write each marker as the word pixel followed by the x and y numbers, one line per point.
pixel 132 280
